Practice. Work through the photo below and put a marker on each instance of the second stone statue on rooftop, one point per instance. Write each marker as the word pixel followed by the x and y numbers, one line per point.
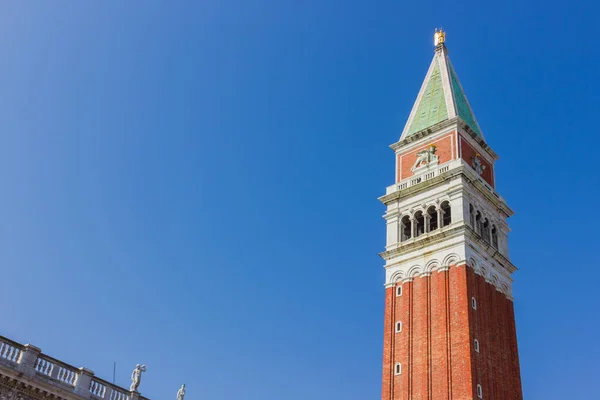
pixel 181 392
pixel 136 376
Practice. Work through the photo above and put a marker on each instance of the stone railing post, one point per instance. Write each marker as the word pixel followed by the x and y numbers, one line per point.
pixel 29 356
pixel 82 385
pixel 134 395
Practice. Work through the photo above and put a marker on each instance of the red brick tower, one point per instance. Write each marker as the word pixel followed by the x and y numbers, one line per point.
pixel 449 322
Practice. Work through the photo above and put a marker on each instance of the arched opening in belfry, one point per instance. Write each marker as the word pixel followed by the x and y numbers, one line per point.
pixel 432 215
pixel 494 237
pixel 446 213
pixel 405 228
pixel 478 223
pixel 472 216
pixel 485 230
pixel 420 221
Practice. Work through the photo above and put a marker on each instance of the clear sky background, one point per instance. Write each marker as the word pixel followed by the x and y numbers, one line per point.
pixel 193 184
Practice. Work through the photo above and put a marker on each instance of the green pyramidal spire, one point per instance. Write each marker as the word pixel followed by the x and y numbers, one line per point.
pixel 441 96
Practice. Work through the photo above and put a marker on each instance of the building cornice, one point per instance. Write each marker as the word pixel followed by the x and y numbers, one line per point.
pixel 31 387
pixel 456 122
pixel 422 242
pixel 467 173
pixel 489 250
pixel 423 133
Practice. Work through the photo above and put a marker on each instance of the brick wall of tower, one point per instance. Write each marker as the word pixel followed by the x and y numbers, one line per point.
pixel 468 152
pixel 445 150
pixel 496 365
pixel 436 343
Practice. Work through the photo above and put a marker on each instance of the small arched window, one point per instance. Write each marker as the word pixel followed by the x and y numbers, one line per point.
pixel 446 214
pixel 476 345
pixel 433 218
pixel 485 230
pixel 398 369
pixel 473 303
pixel 399 291
pixel 420 220
pixel 478 223
pixel 398 326
pixel 479 391
pixel 405 228
pixel 494 237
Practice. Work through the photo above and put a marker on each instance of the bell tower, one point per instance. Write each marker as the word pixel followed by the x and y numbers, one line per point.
pixel 449 329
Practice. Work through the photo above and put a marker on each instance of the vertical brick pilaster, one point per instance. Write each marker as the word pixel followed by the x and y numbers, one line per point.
pixel 402 343
pixel 386 391
pixel 439 337
pixel 420 340
pixel 462 384
pixel 516 370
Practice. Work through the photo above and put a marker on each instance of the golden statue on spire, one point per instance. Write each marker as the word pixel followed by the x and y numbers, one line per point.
pixel 439 37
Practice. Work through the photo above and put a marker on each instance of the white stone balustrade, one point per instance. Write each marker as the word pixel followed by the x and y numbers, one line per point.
pixel 67 376
pixel 97 389
pixel 422 177
pixel 104 390
pixel 56 370
pixel 118 395
pixel 9 350
pixel 434 172
pixel 44 367
pixel 80 382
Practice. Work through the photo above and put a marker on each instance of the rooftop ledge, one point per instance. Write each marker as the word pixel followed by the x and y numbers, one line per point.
pixel 446 170
pixel 40 368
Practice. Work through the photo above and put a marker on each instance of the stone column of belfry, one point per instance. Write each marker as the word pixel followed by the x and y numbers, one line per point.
pixel 449 330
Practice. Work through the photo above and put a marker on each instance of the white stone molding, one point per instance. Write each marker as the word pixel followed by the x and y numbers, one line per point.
pixel 414 271
pixel 431 266
pixel 397 277
pixel 450 260
pixel 451 252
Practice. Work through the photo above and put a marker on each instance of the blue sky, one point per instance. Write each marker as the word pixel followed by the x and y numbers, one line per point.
pixel 193 185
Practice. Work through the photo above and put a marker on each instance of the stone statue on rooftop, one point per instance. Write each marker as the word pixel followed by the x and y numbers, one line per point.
pixel 181 392
pixel 425 157
pixel 136 376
